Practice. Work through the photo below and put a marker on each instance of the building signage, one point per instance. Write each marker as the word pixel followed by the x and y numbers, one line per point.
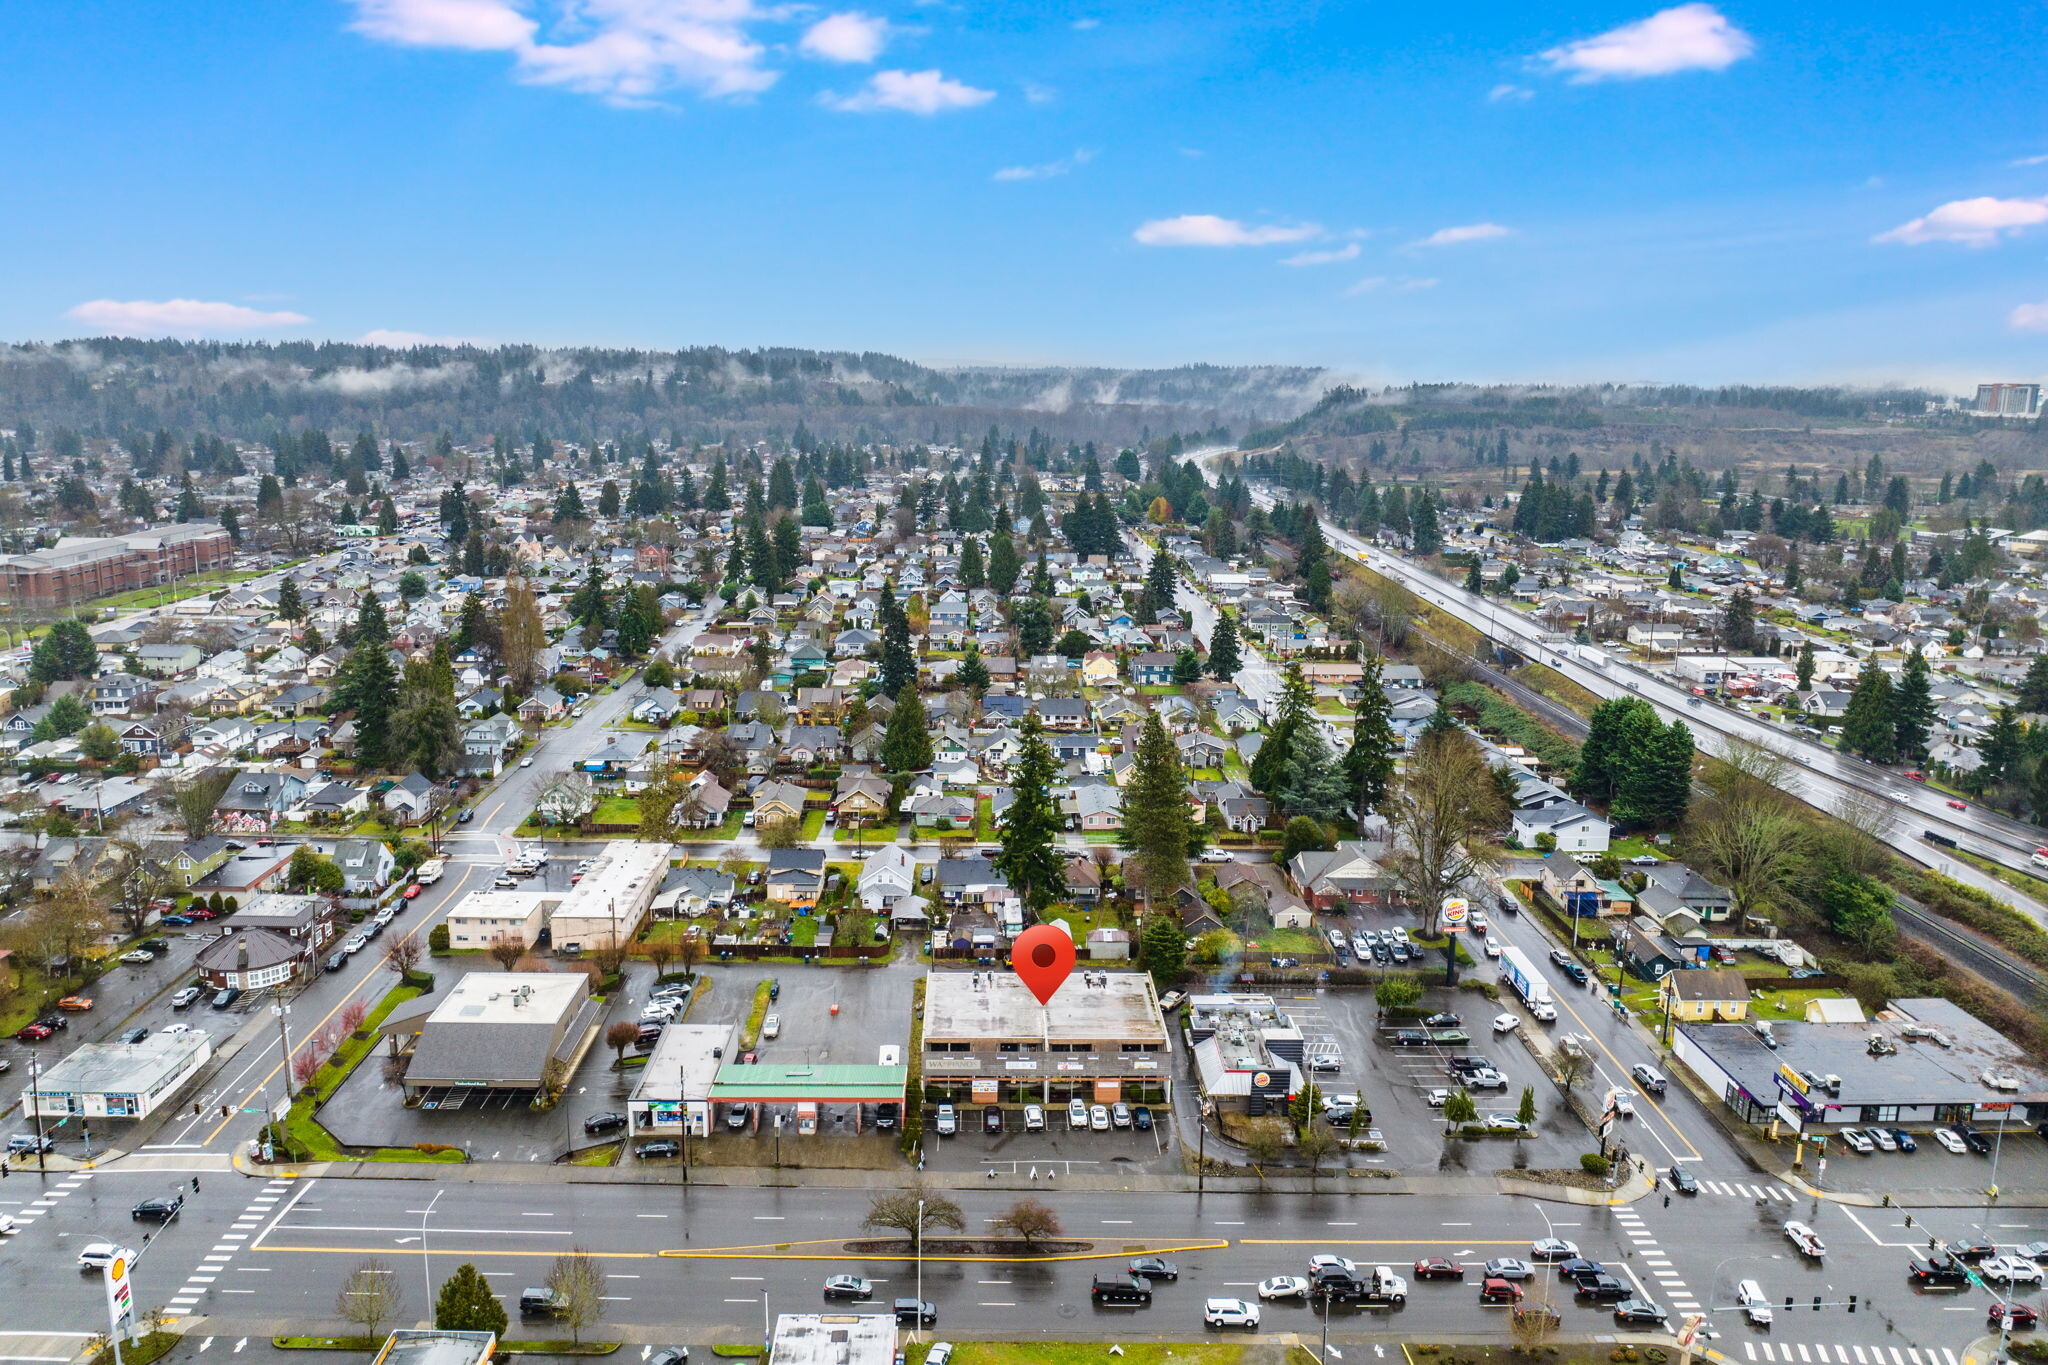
pixel 1261 1079
pixel 1792 1078
pixel 121 1296
pixel 1454 915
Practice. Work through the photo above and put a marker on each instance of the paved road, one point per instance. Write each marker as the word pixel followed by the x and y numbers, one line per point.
pixel 1819 775
pixel 694 1264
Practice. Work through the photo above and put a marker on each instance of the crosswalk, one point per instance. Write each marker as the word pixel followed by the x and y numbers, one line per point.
pixel 1800 1353
pixel 70 1184
pixel 215 1263
pixel 1729 1189
pixel 1671 1286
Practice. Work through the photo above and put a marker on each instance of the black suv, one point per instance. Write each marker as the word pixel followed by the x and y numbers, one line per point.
pixel 911 1312
pixel 1121 1289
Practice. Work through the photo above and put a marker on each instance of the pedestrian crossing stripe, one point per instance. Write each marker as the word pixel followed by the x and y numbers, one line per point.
pixel 1796 1353
pixel 1733 1190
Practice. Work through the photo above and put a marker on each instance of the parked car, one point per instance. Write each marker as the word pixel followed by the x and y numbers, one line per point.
pixel 133 1035
pixel 916 1313
pixel 1120 1115
pixel 1077 1114
pixel 140 957
pixel 185 997
pixel 992 1120
pixel 97 1255
pixel 946 1122
pixel 1649 1078
pixel 1552 1249
pixel 1141 1118
pixel 33 1033
pixel 1948 1139
pixel 1098 1117
pixel 1438 1268
pixel 2010 1270
pixel 1034 1119
pixel 75 1004
pixel 2020 1315
pixel 608 1122
pixel 659 1149
pixel 1506 1023
pixel 1639 1313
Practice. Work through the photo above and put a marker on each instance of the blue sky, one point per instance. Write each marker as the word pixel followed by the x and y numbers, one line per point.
pixel 1708 191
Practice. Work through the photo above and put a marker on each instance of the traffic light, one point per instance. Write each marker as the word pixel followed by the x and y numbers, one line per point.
pixel 1852 1303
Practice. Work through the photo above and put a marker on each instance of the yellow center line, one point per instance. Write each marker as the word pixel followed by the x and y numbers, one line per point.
pixel 1120 1254
pixel 271 1075
pixel 1623 1072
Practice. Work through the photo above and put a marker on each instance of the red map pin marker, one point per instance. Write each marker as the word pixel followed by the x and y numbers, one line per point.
pixel 1042 956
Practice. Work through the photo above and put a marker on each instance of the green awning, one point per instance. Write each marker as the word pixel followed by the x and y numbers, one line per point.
pixel 761 1083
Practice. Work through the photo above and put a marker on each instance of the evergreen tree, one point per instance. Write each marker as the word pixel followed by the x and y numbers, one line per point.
pixel 1003 564
pixel 426 732
pixel 1160 581
pixel 1738 623
pixel 1163 949
pixel 466 1304
pixel 1030 856
pixel 65 651
pixel 569 504
pixel 473 624
pixel 290 605
pixel 973 573
pixel 1225 655
pixel 973 674
pixel 1473 582
pixel 2033 697
pixel 1295 713
pixel 1803 670
pixel 1869 726
pixel 898 669
pixel 2002 749
pixel 1158 826
pixel 1369 764
pixel 907 741
pixel 1311 783
pixel 1656 784
pixel 1312 563
pixel 608 499
pixel 1616 735
pixel 1187 667
pixel 1427 533
pixel 366 684
pixel 1912 710
pixel 1033 623
pixel 372 628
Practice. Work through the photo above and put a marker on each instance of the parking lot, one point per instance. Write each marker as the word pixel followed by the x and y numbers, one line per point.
pixel 2022 1164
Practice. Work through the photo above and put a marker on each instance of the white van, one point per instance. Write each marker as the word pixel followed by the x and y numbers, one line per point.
pixel 1749 1296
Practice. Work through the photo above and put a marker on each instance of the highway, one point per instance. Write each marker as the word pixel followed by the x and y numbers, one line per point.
pixel 1818 775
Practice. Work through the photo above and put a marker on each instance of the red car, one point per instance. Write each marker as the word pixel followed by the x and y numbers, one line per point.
pixel 1915 775
pixel 1438 1268
pixel 35 1033
pixel 412 893
pixel 2023 1315
pixel 201 912
pixel 1497 1290
pixel 1957 805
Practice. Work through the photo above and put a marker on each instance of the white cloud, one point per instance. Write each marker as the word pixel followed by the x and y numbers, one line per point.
pixel 1348 252
pixel 626 52
pixel 848 37
pixel 1034 93
pixel 1083 25
pixel 2030 317
pixel 1504 93
pixel 1468 232
pixel 2041 160
pixel 1973 222
pixel 178 317
pixel 1426 283
pixel 399 339
pixel 472 25
pixel 1046 170
pixel 1694 37
pixel 1366 286
pixel 1206 229
pixel 1372 284
pixel 908 92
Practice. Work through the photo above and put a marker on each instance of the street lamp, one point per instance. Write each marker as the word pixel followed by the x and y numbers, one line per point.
pixel 35 1094
pixel 917 1319
pixel 426 1263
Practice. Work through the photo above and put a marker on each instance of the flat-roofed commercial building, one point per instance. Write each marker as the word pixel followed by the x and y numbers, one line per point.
pixel 834 1339
pixel 118 1080
pixel 678 1078
pixel 1247 1051
pixel 78 568
pixel 608 905
pixel 987 1040
pixel 495 1031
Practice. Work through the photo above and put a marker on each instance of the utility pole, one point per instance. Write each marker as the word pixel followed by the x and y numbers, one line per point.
pixel 282 1012
pixel 35 1076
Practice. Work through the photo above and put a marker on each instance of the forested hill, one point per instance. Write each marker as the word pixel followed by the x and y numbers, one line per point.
pixel 252 390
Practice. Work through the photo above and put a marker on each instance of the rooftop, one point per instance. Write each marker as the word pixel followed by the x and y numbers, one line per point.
pixel 684 1062
pixel 992 1006
pixel 802 1081
pixel 1922 1071
pixel 122 1068
pixel 489 903
pixel 510 998
pixel 619 884
pixel 410 1346
pixel 834 1339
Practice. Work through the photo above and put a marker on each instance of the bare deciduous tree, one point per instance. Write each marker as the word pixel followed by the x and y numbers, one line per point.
pixel 404 954
pixel 1029 1220
pixel 897 1210
pixel 506 950
pixel 369 1297
pixel 577 1283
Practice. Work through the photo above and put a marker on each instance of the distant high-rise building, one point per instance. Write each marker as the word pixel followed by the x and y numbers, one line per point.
pixel 2009 400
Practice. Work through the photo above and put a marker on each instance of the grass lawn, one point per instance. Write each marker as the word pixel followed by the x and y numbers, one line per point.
pixel 1205 774
pixel 727 830
pixel 1789 1003
pixel 1634 847
pixel 32 999
pixel 759 1011
pixel 1088 1353
pixel 814 824
pixel 1161 690
pixel 617 810
pixel 1082 919
pixel 1287 942
pixel 190 587
pixel 803 931
pixel 604 1155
